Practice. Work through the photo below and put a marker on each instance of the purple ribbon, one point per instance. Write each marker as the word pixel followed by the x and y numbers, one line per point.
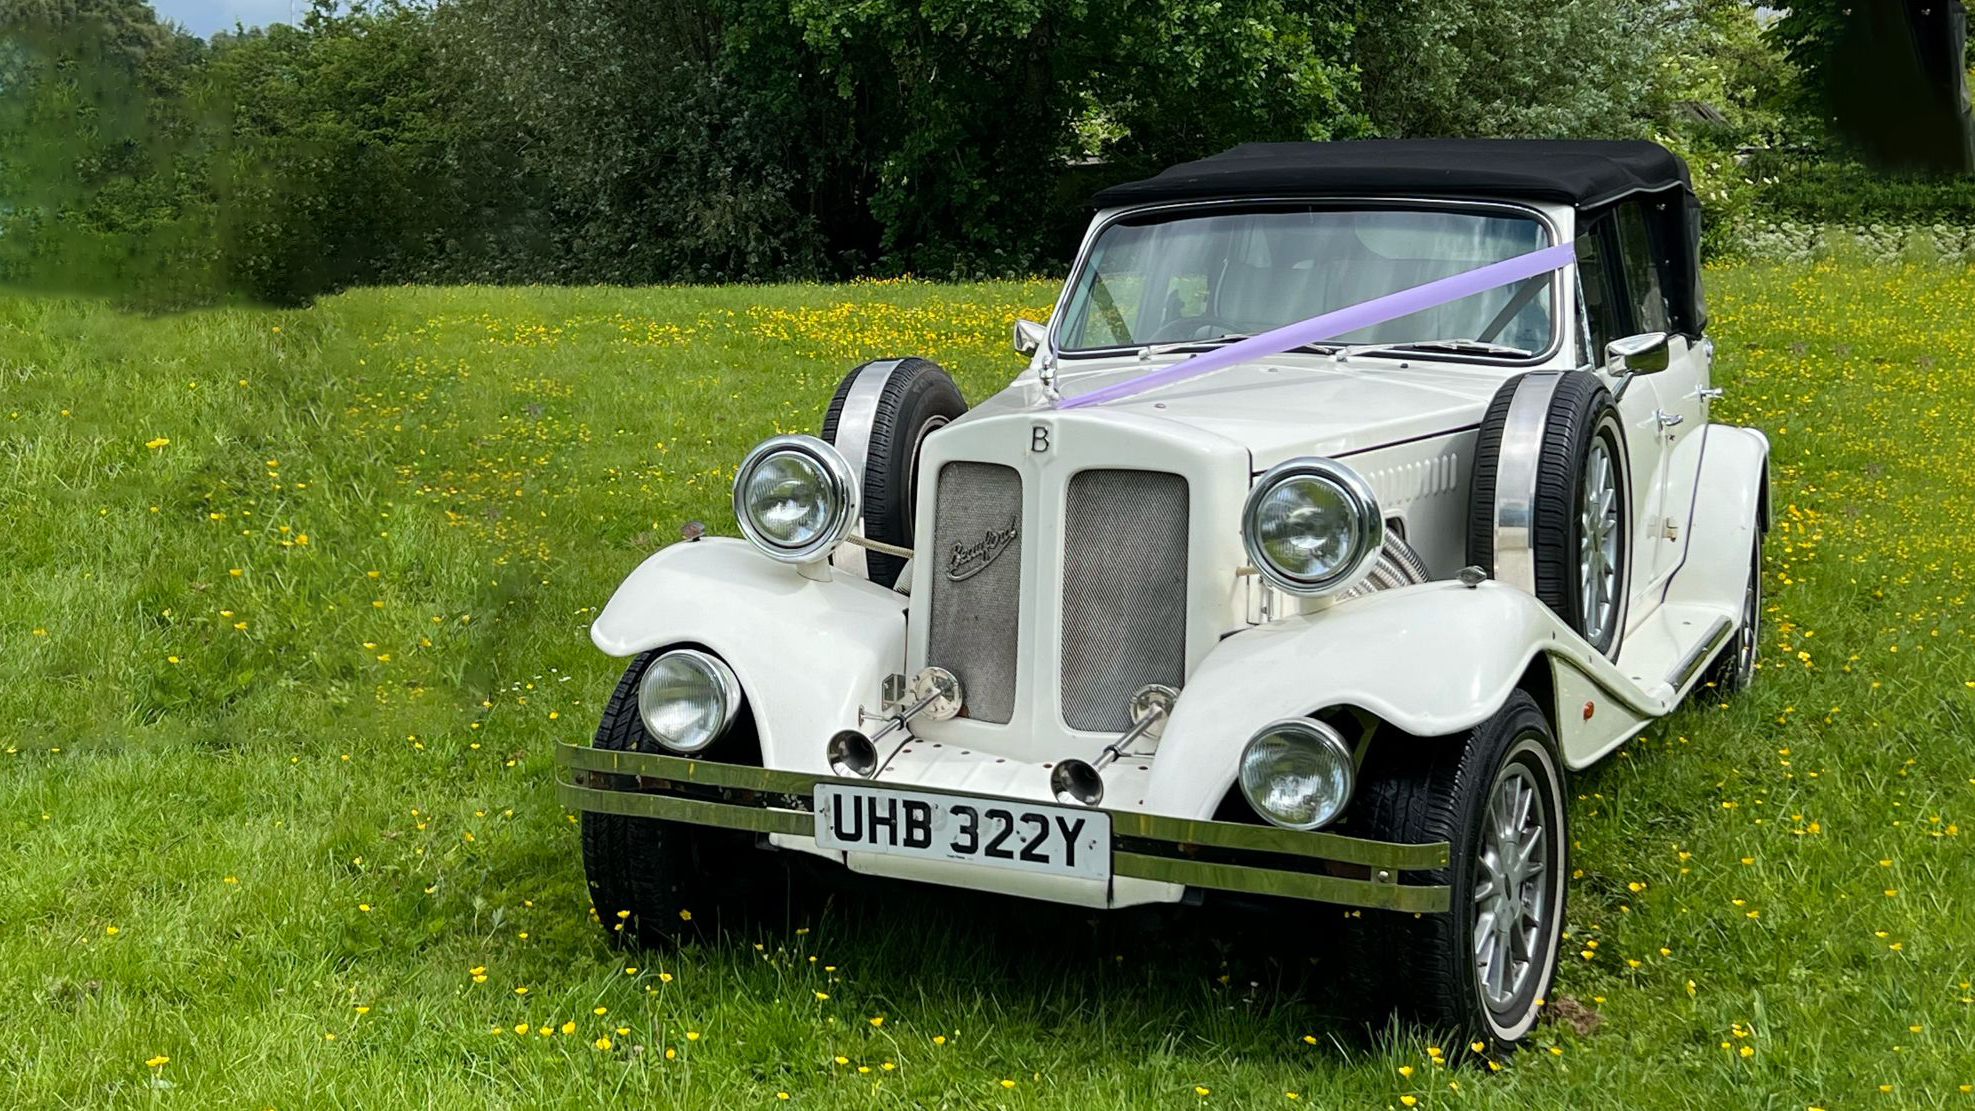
pixel 1330 325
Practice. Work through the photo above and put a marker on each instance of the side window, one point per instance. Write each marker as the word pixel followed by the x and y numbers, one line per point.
pixel 1642 271
pixel 1604 320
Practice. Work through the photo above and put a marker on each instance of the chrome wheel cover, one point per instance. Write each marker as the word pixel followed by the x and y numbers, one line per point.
pixel 1512 888
pixel 1598 539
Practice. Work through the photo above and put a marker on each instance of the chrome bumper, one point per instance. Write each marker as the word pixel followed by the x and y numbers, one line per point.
pixel 1222 856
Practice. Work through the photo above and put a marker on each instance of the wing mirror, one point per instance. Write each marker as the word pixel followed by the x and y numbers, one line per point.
pixel 1644 353
pixel 1029 336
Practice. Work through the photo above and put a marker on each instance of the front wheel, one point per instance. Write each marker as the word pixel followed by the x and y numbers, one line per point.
pixel 1483 968
pixel 651 880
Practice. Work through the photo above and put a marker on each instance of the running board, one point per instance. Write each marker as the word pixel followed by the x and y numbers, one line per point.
pixel 1663 657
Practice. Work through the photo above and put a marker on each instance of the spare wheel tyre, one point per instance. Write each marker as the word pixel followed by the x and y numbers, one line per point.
pixel 880 415
pixel 1550 505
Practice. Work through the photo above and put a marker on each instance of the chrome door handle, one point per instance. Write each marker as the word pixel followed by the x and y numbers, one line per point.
pixel 1666 419
pixel 1709 393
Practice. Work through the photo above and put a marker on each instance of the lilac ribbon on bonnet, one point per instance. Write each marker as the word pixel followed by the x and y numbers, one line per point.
pixel 1330 325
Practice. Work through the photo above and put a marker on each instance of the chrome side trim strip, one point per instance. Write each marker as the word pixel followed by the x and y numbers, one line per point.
pixel 1702 652
pixel 854 423
pixel 1515 479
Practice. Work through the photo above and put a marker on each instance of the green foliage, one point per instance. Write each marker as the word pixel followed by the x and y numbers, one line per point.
pixel 633 153
pixel 96 150
pixel 963 114
pixel 1563 68
pixel 1882 81
pixel 771 140
pixel 1847 193
pixel 334 169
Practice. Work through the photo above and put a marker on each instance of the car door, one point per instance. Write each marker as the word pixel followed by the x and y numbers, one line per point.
pixel 1605 315
pixel 1679 411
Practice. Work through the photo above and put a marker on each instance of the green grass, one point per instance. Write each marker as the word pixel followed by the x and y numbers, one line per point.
pixel 270 801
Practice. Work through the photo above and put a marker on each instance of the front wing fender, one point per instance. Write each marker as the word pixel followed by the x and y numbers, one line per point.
pixel 1430 660
pixel 823 647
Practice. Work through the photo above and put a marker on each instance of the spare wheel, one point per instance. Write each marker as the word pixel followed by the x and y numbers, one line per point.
pixel 1550 504
pixel 882 411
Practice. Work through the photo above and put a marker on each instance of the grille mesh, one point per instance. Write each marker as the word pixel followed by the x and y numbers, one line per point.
pixel 1124 592
pixel 975 622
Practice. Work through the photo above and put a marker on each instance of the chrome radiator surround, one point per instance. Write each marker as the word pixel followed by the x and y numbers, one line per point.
pixel 1101 455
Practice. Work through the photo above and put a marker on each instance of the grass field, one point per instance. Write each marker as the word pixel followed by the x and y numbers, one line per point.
pixel 293 606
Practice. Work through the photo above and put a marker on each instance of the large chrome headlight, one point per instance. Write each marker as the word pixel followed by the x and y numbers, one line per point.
pixel 1298 773
pixel 687 699
pixel 795 498
pixel 1312 526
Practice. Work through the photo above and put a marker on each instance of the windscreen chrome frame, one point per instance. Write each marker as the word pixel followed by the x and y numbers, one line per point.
pixel 1053 353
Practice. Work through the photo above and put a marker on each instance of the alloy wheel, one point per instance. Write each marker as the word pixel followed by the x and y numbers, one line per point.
pixel 1512 887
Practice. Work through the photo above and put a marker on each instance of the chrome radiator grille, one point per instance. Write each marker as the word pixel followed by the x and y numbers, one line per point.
pixel 1124 592
pixel 977 584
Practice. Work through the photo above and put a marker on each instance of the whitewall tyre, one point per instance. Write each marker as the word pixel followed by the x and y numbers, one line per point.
pixel 1482 969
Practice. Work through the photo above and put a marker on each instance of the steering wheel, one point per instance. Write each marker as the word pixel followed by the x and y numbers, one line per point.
pixel 1190 327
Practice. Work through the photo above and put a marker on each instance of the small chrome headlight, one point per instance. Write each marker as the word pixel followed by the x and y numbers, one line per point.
pixel 1298 774
pixel 1312 526
pixel 795 498
pixel 687 699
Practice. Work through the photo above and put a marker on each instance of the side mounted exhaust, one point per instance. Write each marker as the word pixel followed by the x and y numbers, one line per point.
pixel 1078 781
pixel 934 692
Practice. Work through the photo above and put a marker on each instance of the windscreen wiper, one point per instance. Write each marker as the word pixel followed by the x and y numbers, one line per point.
pixel 1459 346
pixel 1147 352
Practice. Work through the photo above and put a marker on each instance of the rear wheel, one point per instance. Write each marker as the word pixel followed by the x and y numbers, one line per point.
pixel 652 880
pixel 1481 969
pixel 1735 668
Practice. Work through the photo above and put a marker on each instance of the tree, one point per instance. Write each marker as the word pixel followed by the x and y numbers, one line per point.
pixel 97 152
pixel 1890 79
pixel 1561 68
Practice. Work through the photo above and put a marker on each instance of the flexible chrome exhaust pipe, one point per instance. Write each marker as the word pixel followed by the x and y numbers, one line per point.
pixel 934 692
pixel 1081 782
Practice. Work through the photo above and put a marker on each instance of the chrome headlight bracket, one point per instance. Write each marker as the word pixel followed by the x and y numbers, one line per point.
pixel 1367 531
pixel 840 485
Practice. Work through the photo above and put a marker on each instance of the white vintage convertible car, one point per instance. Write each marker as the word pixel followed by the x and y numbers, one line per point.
pixel 1354 495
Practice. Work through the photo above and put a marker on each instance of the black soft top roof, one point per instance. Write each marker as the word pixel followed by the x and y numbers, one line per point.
pixel 1585 173
pixel 1582 172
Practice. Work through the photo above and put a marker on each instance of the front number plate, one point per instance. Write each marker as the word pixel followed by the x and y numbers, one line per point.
pixel 1057 840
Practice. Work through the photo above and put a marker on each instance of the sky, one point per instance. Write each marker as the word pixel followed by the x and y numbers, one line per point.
pixel 203 17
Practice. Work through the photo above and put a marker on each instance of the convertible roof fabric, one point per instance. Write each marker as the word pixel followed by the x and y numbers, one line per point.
pixel 1583 172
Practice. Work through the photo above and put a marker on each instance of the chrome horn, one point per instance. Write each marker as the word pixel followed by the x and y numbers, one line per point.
pixel 934 692
pixel 1078 781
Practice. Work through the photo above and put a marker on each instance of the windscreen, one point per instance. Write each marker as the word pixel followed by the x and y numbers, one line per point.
pixel 1200 274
